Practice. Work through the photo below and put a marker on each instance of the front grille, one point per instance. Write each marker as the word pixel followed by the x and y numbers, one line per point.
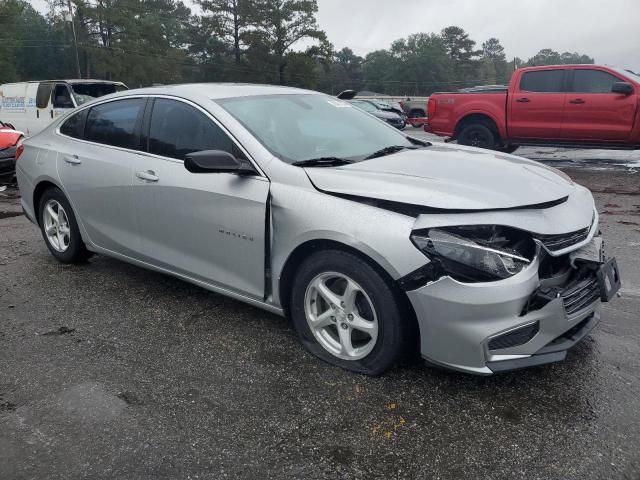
pixel 515 338
pixel 579 292
pixel 581 295
pixel 555 243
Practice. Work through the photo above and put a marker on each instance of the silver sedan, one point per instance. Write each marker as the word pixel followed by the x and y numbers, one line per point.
pixel 377 245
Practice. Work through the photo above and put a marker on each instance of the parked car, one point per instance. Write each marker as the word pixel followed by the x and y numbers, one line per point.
pixel 387 106
pixel 375 244
pixel 9 140
pixel 416 110
pixel 392 118
pixel 31 106
pixel 564 105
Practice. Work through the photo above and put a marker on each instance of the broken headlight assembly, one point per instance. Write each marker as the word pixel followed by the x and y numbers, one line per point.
pixel 471 254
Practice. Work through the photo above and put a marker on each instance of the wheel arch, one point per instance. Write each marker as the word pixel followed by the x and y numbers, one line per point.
pixel 287 276
pixel 42 185
pixel 478 117
pixel 38 191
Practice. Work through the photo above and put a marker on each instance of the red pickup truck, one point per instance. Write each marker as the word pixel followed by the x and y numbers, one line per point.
pixel 563 105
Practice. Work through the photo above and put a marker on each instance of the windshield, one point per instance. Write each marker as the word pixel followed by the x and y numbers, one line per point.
pixel 628 73
pixel 83 92
pixel 307 126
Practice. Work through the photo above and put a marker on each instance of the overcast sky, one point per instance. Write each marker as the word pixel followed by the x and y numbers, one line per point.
pixel 608 30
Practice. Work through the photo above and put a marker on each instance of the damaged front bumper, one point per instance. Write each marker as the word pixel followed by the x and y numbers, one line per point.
pixel 530 319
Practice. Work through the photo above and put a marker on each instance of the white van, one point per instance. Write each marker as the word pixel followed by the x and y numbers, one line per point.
pixel 31 106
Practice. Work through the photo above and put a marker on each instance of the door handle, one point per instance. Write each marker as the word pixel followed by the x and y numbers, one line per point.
pixel 577 101
pixel 51 113
pixel 72 159
pixel 148 175
pixel 523 100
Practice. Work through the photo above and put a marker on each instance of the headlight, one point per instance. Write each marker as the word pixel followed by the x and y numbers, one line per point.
pixel 480 253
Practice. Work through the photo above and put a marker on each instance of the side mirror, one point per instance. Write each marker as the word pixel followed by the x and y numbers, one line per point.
pixel 622 88
pixel 217 161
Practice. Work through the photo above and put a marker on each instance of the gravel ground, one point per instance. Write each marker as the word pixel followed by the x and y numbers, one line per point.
pixel 111 371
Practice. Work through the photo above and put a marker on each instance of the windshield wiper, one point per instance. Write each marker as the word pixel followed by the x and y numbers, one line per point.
pixel 323 162
pixel 389 150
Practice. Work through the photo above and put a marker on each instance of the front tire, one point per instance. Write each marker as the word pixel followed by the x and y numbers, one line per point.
pixel 60 229
pixel 346 314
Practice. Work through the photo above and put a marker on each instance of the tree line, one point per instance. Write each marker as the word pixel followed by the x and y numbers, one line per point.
pixel 146 42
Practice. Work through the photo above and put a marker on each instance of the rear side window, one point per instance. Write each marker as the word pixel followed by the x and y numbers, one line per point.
pixel 178 129
pixel 593 81
pixel 43 95
pixel 548 81
pixel 114 123
pixel 74 125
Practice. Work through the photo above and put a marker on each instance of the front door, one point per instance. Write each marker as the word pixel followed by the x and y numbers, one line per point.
pixel 536 105
pixel 207 226
pixel 593 112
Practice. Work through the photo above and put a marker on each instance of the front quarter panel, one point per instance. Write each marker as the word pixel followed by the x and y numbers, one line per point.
pixel 300 215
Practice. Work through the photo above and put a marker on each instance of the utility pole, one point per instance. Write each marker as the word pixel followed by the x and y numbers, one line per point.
pixel 75 41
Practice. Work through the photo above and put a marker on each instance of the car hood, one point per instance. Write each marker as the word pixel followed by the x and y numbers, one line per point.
pixel 447 177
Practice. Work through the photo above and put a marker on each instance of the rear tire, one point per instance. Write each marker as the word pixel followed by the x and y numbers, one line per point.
pixel 375 327
pixel 477 135
pixel 60 229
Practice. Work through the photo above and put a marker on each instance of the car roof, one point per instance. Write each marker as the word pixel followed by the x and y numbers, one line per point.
pixel 215 91
pixel 70 81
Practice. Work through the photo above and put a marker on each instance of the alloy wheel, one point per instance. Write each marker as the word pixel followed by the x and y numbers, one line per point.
pixel 56 226
pixel 341 316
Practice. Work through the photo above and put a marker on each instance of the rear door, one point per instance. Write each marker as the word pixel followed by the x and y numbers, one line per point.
pixel 206 226
pixel 97 148
pixel 592 112
pixel 536 105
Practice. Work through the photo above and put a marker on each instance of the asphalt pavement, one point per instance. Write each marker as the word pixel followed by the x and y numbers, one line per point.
pixel 108 371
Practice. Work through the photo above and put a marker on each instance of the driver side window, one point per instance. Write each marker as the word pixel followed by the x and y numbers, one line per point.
pixel 177 129
pixel 62 97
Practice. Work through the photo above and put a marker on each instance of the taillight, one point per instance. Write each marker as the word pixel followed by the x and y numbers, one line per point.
pixel 431 107
pixel 19 148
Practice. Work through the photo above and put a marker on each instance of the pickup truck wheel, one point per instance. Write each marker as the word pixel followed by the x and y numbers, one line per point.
pixel 477 135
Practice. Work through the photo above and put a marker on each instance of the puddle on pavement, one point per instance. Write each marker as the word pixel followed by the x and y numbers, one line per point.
pixel 89 402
